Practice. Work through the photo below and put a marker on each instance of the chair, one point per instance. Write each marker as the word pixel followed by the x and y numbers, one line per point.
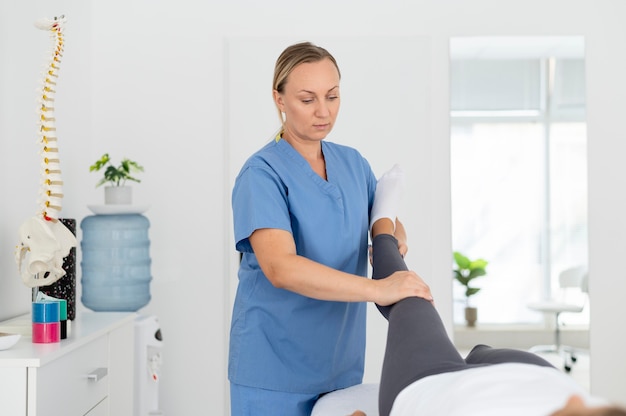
pixel 569 279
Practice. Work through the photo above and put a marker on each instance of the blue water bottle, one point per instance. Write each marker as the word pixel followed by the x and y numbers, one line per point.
pixel 115 262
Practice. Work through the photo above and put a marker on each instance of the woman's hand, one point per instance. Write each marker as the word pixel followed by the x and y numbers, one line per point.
pixel 358 413
pixel 401 285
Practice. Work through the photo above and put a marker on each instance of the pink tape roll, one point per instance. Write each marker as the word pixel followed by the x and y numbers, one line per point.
pixel 46 333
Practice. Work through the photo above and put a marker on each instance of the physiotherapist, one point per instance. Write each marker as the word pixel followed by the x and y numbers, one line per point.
pixel 301 209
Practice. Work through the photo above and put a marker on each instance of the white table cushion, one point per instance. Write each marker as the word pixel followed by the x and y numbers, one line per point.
pixel 344 402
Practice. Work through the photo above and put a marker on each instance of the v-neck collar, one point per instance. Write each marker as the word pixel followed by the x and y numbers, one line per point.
pixel 326 184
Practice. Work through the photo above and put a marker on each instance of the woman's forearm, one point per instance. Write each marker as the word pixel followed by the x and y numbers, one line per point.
pixel 315 280
pixel 284 268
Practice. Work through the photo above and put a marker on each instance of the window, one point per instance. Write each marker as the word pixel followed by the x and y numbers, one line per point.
pixel 519 176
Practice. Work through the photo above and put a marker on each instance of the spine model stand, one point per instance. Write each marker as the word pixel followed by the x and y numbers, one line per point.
pixel 51 191
pixel 44 240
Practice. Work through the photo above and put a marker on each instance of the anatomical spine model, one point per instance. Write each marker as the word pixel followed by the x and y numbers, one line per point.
pixel 44 240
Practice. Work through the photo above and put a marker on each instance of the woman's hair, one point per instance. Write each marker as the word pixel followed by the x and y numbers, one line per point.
pixel 294 55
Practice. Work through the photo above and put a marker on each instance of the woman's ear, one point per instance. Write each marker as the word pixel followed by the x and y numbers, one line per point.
pixel 278 100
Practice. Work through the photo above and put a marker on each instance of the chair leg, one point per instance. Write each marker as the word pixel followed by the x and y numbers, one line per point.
pixel 570 355
pixel 567 361
pixel 567 354
pixel 557 332
pixel 562 351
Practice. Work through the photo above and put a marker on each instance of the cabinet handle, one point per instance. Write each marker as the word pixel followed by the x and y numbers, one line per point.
pixel 97 374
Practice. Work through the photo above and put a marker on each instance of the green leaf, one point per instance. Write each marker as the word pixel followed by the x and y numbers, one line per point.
pixel 100 163
pixel 462 261
pixel 476 273
pixel 471 291
pixel 478 264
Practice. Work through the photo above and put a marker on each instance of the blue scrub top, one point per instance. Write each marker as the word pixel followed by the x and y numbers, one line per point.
pixel 281 340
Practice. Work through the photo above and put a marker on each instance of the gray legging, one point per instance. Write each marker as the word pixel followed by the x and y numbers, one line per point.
pixel 417 342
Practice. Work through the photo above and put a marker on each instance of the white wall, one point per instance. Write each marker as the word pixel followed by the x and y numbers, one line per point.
pixel 148 80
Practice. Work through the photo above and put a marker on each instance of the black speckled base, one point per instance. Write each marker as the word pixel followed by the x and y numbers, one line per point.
pixel 65 287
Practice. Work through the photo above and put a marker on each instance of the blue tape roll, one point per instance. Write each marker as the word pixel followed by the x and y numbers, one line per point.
pixel 45 312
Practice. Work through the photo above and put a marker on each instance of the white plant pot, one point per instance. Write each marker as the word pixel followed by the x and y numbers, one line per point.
pixel 118 195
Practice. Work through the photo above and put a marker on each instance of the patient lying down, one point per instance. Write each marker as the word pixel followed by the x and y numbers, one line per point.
pixel 424 374
pixel 575 406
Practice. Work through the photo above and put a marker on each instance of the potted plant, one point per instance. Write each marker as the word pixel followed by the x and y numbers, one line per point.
pixel 465 271
pixel 116 176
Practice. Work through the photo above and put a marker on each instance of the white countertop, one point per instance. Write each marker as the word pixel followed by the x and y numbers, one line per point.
pixel 86 327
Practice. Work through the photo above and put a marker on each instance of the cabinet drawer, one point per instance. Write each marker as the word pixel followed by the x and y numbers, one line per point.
pixel 74 383
pixel 13 390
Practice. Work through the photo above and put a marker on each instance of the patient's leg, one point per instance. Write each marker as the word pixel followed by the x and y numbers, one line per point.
pixel 386 258
pixel 417 343
pixel 484 354
pixel 389 190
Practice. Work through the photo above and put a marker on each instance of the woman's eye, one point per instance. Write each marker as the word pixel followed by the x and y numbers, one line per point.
pixel 333 97
pixel 307 100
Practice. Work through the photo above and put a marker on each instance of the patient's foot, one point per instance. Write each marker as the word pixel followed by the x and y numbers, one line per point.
pixel 388 195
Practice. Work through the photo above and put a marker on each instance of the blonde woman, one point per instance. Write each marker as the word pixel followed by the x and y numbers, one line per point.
pixel 302 208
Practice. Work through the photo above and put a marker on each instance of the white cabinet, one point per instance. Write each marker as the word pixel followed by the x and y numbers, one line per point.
pixel 89 373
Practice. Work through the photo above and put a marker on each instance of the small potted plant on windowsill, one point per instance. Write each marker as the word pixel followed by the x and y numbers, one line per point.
pixel 117 192
pixel 465 271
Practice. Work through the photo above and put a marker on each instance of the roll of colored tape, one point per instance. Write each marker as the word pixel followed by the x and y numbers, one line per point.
pixel 46 312
pixel 46 333
pixel 42 297
pixel 62 310
pixel 63 324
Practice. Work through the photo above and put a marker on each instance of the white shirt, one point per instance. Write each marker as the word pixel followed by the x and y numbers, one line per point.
pixel 504 389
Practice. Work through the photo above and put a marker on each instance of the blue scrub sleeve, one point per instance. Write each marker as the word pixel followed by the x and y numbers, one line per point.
pixel 259 200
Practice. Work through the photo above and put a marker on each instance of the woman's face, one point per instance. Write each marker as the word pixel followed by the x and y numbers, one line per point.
pixel 310 101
